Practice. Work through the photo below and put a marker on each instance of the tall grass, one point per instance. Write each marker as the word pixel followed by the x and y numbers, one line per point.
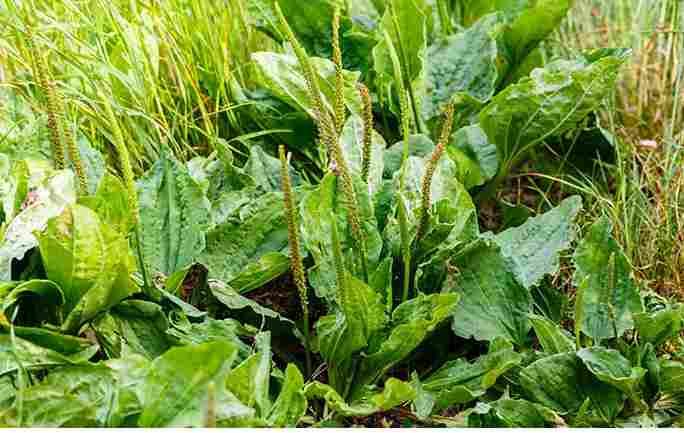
pixel 166 67
pixel 644 193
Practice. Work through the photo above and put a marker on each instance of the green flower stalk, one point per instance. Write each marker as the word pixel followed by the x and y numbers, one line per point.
pixel 53 106
pixel 124 160
pixel 129 182
pixel 295 251
pixel 72 147
pixel 340 110
pixel 338 260
pixel 430 171
pixel 367 131
pixel 402 213
pixel 329 136
pixel 351 203
pixel 324 122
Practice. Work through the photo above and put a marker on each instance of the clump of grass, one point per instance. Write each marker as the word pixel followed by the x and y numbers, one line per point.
pixel 170 66
pixel 643 192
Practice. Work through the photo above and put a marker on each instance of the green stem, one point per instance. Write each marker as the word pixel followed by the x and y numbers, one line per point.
pixel 405 248
pixel 444 17
pixel 141 259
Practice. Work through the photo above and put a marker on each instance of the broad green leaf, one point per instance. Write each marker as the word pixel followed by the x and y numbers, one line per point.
pixel 291 404
pixel 92 162
pixel 265 170
pixel 553 338
pixel 282 75
pixel 16 353
pixel 311 25
pixel 48 200
pixel 551 101
pixel 317 208
pixel 351 140
pixel 64 344
pixel 111 204
pixel 219 177
pixel 393 394
pixel 509 413
pixel 420 145
pixel 188 333
pixel 258 273
pixel 361 314
pixel 562 383
pixel 49 406
pixel 671 377
pixel 106 393
pixel 493 302
pixel 534 247
pixel 471 11
pixel 475 156
pixel 174 216
pixel 659 326
pixel 181 376
pixel 236 302
pixel 611 367
pixel 243 246
pixel 412 321
pixel 89 261
pixel 133 326
pixel 460 381
pixel 451 219
pixel 461 63
pixel 609 296
pixel 414 23
pixel 532 26
pixel 249 380
pixel 35 301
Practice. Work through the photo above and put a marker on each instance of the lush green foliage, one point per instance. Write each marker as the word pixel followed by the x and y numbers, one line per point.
pixel 154 301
